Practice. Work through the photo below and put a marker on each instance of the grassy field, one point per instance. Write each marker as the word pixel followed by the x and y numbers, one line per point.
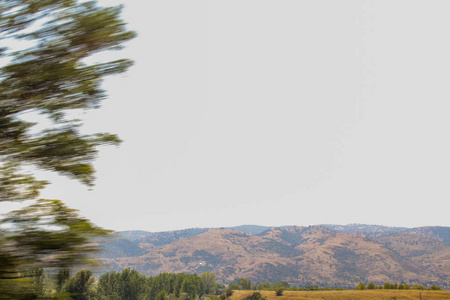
pixel 349 295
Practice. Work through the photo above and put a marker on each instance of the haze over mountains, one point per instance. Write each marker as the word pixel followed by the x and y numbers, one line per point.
pixel 325 255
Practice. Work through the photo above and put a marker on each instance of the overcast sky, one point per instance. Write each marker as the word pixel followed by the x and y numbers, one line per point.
pixel 275 113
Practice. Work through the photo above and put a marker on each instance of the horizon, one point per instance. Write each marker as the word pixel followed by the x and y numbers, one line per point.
pixel 296 112
pixel 280 226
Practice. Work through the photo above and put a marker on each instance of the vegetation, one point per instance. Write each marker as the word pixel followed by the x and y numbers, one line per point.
pixel 50 78
pixel 254 296
pixel 379 294
pixel 131 285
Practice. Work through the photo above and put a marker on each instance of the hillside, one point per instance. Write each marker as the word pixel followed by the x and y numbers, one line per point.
pixel 299 255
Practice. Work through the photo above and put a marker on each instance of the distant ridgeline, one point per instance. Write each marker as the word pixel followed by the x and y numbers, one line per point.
pixel 323 255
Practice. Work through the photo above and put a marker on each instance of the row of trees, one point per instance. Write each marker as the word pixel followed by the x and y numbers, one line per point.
pixel 127 285
pixel 394 286
pixel 131 285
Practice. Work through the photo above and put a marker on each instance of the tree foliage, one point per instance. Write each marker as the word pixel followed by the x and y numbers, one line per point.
pixel 51 78
pixel 80 287
pixel 209 281
pixel 129 284
pixel 45 72
pixel 254 296
pixel 361 286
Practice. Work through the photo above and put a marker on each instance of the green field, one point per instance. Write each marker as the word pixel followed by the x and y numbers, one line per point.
pixel 349 295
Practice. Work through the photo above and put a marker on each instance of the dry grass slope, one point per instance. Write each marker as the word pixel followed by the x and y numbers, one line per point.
pixel 349 295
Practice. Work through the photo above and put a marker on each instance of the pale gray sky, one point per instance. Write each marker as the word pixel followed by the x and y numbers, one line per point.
pixel 275 113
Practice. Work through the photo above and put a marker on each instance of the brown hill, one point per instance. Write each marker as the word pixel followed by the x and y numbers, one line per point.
pixel 299 255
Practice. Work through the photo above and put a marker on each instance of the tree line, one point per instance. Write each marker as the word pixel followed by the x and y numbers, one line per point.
pixel 395 286
pixel 127 284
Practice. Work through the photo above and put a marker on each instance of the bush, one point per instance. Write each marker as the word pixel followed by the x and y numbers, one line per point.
pixel 279 292
pixel 361 286
pixel 229 292
pixel 254 296
pixel 435 288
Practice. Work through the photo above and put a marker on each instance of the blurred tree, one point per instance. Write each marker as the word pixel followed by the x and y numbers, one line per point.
pixel 49 234
pixel 49 76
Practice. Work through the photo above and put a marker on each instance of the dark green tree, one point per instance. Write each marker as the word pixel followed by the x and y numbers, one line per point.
pixel 79 287
pixel 127 285
pixel 245 284
pixel 435 288
pixel 209 281
pixel 254 296
pixel 371 286
pixel 61 278
pixel 263 285
pixel 38 276
pixel 50 78
pixel 229 292
pixel 361 286
pixel 220 288
pixel 161 295
pixel 108 286
pixel 193 286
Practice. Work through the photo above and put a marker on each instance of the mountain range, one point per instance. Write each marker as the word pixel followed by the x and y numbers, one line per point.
pixel 324 255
